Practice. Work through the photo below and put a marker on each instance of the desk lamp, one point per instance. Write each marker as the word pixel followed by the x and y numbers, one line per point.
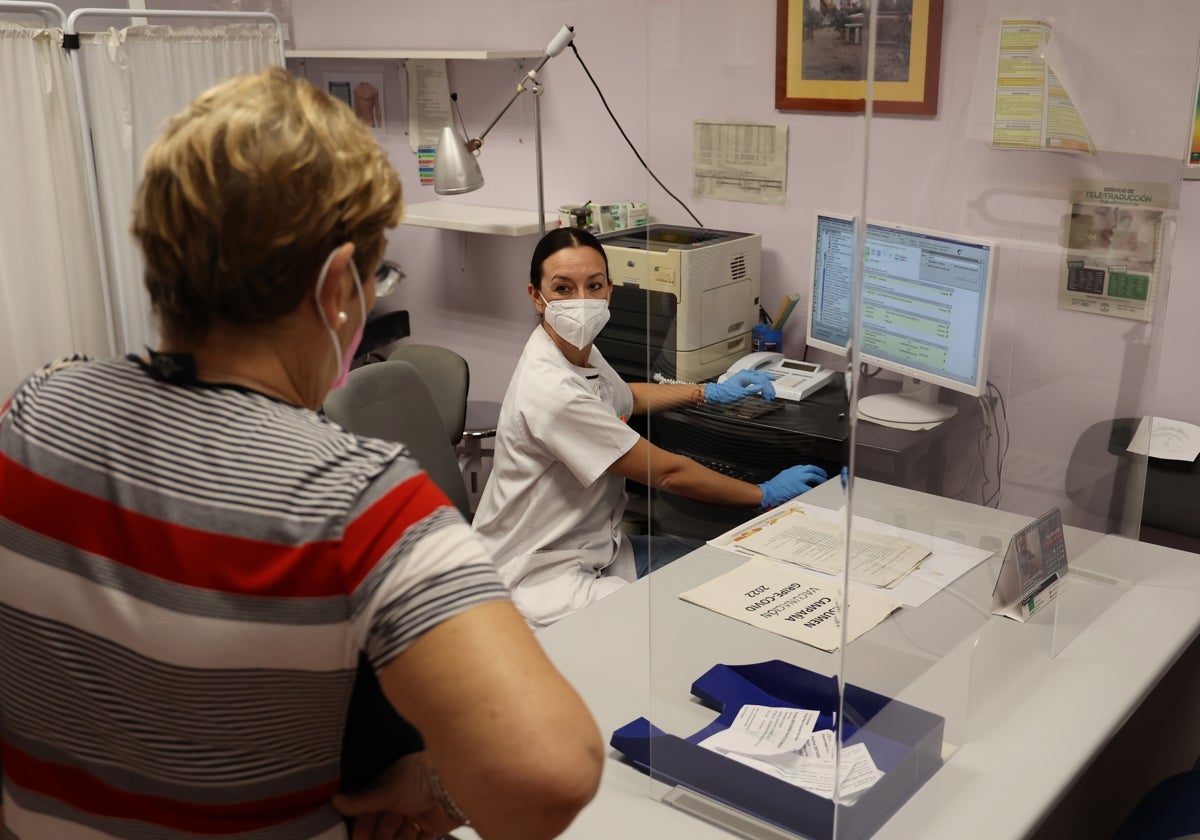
pixel 455 169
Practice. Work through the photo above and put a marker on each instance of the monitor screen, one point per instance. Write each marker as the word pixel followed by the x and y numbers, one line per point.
pixel 926 300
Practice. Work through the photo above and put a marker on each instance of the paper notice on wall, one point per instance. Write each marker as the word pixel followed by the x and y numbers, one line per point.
pixel 1113 248
pixel 782 599
pixel 428 101
pixel 740 161
pixel 1034 108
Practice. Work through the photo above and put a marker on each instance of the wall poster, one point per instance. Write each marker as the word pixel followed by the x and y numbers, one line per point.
pixel 1114 248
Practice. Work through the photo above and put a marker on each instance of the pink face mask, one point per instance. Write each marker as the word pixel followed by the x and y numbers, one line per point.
pixel 342 357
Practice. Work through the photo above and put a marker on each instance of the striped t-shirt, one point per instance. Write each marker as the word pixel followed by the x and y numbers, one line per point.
pixel 187 576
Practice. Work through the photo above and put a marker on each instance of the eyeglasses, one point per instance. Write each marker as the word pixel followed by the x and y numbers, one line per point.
pixel 387 278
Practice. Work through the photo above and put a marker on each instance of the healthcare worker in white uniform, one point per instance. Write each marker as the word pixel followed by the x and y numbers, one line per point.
pixel 550 514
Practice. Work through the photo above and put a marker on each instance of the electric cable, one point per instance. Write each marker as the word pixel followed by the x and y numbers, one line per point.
pixel 617 123
pixel 1002 440
pixel 458 113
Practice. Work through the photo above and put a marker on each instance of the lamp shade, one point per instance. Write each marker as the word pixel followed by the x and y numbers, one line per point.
pixel 455 169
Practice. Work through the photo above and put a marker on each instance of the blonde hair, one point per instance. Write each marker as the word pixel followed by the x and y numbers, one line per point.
pixel 246 193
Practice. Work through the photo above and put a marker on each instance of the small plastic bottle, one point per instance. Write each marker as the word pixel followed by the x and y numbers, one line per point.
pixel 622 212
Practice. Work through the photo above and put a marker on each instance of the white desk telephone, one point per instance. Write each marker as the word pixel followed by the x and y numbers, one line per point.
pixel 794 379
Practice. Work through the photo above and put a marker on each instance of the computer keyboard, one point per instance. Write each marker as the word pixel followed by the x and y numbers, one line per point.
pixel 747 408
pixel 740 473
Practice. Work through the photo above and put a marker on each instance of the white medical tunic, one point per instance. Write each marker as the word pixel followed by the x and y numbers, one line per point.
pixel 550 514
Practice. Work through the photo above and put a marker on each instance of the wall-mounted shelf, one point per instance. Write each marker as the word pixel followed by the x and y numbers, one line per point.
pixel 472 218
pixel 450 215
pixel 470 55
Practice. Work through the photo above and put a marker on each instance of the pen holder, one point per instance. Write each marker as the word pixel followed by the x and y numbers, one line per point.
pixel 765 338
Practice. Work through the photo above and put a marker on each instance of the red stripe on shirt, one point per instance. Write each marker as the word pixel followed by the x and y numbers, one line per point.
pixel 373 534
pixel 185 555
pixel 176 553
pixel 83 791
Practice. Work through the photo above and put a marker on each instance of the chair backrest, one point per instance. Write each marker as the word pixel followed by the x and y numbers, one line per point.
pixel 448 378
pixel 390 400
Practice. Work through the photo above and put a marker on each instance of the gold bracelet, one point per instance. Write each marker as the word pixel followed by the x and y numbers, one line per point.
pixel 444 800
pixel 698 395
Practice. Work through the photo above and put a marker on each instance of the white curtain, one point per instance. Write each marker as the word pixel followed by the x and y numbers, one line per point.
pixel 50 294
pixel 134 79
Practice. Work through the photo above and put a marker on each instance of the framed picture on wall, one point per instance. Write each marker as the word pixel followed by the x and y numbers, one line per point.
pixel 821 55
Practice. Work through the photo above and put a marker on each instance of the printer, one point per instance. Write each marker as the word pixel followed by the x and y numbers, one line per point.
pixel 684 301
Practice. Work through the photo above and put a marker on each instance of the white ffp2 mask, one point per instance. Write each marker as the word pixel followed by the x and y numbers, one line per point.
pixel 578 320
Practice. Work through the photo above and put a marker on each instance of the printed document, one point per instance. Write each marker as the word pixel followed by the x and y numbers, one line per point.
pixel 785 600
pixel 946 560
pixel 781 743
pixel 740 161
pixel 1033 107
pixel 1113 243
pixel 428 101
pixel 808 537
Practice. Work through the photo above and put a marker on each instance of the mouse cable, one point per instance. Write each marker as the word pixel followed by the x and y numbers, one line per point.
pixel 617 123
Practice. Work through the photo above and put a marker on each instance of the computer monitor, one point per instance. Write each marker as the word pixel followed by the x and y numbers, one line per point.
pixel 926 311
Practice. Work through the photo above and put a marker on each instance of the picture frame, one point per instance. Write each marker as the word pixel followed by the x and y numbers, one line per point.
pixel 820 56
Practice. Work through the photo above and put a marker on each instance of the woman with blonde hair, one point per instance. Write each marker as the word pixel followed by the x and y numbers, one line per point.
pixel 192 558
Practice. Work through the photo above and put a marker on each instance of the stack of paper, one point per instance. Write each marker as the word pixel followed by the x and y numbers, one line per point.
pixel 781 742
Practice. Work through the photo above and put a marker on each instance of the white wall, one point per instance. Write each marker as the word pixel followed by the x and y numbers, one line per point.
pixel 664 63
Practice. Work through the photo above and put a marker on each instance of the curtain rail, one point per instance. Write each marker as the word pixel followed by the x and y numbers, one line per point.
pixel 93 190
pixel 48 11
pixel 264 17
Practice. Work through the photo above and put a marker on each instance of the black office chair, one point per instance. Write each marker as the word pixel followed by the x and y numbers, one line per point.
pixel 390 400
pixel 1100 470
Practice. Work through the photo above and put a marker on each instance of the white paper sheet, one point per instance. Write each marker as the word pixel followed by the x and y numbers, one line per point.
pixel 946 562
pixel 764 730
pixel 801 535
pixel 428 101
pixel 810 765
pixel 784 599
pixel 1159 437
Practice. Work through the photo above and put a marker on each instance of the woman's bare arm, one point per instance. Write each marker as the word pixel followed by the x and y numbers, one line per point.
pixel 658 468
pixel 656 396
pixel 513 744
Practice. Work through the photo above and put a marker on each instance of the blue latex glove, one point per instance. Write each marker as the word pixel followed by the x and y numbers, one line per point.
pixel 741 384
pixel 845 476
pixel 790 483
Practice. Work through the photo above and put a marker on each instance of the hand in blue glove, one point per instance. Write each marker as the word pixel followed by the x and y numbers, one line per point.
pixel 790 483
pixel 845 476
pixel 741 384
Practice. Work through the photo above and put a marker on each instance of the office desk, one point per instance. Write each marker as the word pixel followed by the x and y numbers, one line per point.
pixel 1035 722
pixel 813 431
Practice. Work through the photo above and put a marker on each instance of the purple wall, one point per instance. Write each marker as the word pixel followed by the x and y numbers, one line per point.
pixel 663 64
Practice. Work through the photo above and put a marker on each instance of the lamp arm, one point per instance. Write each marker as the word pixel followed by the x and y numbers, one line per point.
pixel 473 145
pixel 564 37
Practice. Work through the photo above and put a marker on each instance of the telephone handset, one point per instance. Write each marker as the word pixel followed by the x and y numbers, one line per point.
pixel 794 379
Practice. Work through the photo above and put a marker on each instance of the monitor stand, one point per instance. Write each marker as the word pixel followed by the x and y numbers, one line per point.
pixel 916 404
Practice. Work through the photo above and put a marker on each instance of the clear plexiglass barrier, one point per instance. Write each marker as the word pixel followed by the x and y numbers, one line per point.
pixel 941 642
